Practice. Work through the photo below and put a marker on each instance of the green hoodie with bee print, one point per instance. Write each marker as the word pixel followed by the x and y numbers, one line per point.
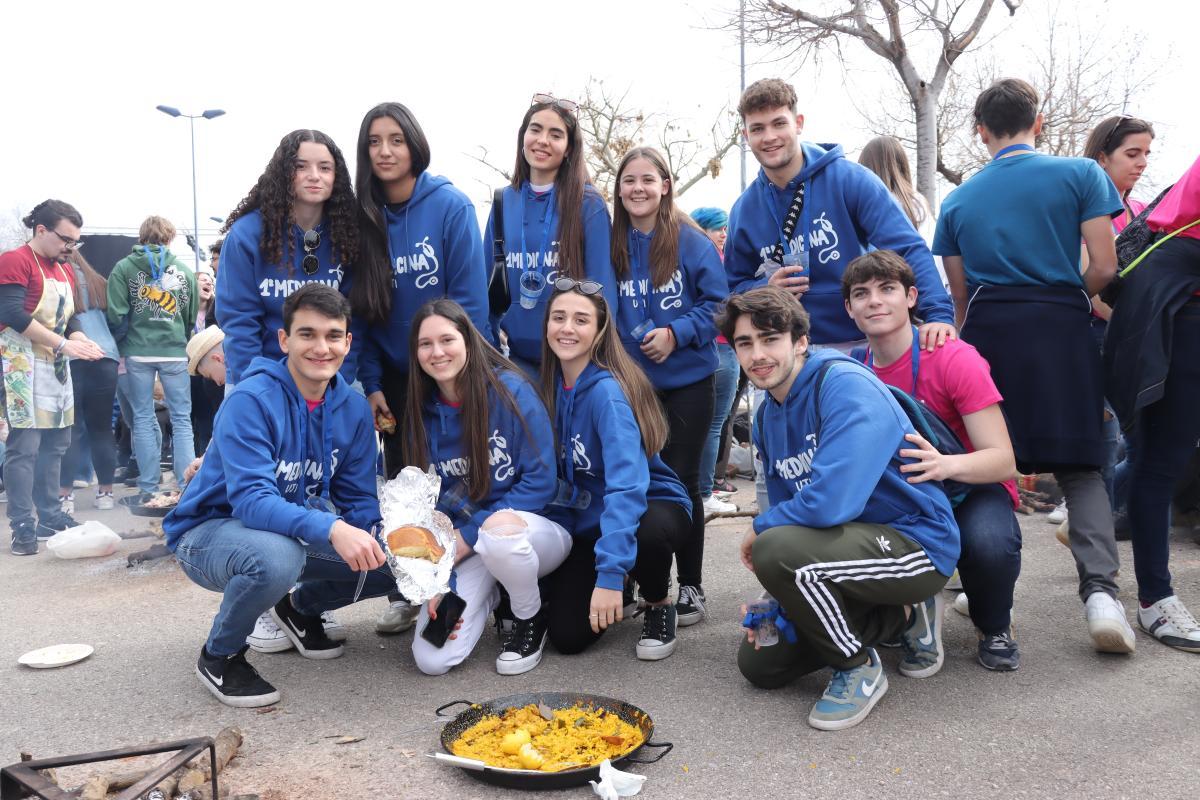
pixel 152 303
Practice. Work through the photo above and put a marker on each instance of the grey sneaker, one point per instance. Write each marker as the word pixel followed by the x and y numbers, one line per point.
pixel 399 616
pixel 999 652
pixel 922 640
pixel 850 695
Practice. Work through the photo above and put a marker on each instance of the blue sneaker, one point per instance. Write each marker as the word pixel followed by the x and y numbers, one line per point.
pixel 850 695
pixel 922 641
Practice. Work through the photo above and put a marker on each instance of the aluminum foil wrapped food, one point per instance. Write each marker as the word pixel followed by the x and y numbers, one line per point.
pixel 407 502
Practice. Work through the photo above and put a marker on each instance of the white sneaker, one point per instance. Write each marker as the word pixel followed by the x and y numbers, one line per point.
pixel 333 629
pixel 267 636
pixel 962 605
pixel 1171 623
pixel 104 501
pixel 81 484
pixel 1059 514
pixel 67 502
pixel 715 505
pixel 1107 625
pixel 398 617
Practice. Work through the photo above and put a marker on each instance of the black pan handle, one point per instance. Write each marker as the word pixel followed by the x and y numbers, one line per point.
pixel 667 747
pixel 440 709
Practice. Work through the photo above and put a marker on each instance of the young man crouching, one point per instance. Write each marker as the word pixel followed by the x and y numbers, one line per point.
pixel 848 544
pixel 285 494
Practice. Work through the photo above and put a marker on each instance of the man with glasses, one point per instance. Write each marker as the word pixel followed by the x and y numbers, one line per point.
pixel 37 335
pixel 286 493
pixel 152 304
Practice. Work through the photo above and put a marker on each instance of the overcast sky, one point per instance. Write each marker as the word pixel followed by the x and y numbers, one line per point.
pixel 85 77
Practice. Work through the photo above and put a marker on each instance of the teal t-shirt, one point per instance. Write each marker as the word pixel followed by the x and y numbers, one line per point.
pixel 1016 222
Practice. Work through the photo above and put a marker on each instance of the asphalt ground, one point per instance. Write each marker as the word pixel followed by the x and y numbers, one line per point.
pixel 1070 724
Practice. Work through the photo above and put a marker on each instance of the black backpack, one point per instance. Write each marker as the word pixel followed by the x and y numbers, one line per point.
pixel 924 420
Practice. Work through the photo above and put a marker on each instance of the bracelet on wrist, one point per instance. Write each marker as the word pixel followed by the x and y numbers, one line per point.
pixel 61 345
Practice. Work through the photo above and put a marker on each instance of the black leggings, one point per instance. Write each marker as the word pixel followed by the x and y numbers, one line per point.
pixel 568 590
pixel 689 415
pixel 95 386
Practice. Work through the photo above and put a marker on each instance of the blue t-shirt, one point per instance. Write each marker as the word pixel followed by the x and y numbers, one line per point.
pixel 1016 222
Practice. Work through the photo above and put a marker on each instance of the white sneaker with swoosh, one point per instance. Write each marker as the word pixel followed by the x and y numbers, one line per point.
pixel 922 641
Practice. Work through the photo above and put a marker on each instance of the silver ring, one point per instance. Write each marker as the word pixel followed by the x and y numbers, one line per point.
pixel 594 615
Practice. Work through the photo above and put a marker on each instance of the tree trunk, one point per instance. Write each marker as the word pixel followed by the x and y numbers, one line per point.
pixel 925 104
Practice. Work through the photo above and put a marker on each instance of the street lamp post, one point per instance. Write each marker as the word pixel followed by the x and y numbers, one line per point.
pixel 211 113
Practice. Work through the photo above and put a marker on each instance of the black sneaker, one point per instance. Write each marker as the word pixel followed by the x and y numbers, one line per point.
pixel 307 633
pixel 522 650
pixel 52 524
pixel 139 499
pixel 233 681
pixel 1122 529
pixel 630 603
pixel 658 633
pixel 999 652
pixel 690 608
pixel 24 539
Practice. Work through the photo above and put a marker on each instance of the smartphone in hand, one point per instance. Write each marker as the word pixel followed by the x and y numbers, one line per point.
pixel 449 611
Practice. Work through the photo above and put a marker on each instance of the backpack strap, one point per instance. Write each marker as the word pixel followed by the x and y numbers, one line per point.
pixel 499 296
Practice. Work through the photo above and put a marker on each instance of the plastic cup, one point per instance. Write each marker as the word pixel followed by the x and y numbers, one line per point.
pixel 641 330
pixel 533 283
pixel 765 632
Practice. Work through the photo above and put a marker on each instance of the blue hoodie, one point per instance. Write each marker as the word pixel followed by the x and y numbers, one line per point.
pixel 597 429
pixel 250 294
pixel 856 476
pixel 686 304
pixel 531 242
pixel 434 250
pixel 847 209
pixel 269 452
pixel 524 475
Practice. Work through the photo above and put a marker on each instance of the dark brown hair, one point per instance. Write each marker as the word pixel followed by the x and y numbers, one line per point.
pixel 49 212
pixel 766 94
pixel 480 376
pixel 325 300
pixel 1007 107
pixel 770 309
pixel 608 354
pixel 273 196
pixel 569 183
pixel 664 249
pixel 1109 135
pixel 878 265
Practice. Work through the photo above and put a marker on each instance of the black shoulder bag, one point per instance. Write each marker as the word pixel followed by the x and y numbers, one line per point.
pixel 499 297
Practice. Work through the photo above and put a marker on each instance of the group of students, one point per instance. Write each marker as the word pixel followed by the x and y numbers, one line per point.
pixel 581 373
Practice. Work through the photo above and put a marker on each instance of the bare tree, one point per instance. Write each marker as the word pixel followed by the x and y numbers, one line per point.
pixel 885 28
pixel 13 232
pixel 613 124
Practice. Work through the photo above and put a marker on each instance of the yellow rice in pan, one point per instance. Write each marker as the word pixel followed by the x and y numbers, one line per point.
pixel 577 737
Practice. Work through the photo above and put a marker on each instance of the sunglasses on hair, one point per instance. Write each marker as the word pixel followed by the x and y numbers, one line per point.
pixel 583 287
pixel 310 264
pixel 543 99
pixel 1121 120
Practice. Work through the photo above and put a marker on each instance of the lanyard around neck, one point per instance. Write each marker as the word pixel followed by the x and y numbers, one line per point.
pixel 547 227
pixel 1012 148
pixel 916 359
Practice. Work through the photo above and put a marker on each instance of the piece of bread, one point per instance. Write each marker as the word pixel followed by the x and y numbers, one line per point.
pixel 411 541
pixel 384 423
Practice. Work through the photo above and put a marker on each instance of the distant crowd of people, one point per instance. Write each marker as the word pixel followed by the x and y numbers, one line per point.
pixel 572 375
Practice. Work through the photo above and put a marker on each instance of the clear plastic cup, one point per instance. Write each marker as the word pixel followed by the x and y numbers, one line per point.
pixel 533 283
pixel 639 333
pixel 765 631
pixel 570 497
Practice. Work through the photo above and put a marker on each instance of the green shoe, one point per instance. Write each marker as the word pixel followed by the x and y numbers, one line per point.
pixel 850 695
pixel 922 641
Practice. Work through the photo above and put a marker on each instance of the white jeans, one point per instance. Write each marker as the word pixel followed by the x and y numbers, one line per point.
pixel 516 560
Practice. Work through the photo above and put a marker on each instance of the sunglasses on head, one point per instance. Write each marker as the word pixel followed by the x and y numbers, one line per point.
pixel 310 264
pixel 543 99
pixel 1121 120
pixel 583 287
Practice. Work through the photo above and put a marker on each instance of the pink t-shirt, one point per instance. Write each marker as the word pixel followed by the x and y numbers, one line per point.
pixel 1124 218
pixel 954 381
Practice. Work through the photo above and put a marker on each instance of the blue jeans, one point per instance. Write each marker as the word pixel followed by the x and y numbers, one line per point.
pixel 254 569
pixel 725 381
pixel 991 555
pixel 147 436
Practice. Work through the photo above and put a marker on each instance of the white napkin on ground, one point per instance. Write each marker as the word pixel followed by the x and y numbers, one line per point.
pixel 614 783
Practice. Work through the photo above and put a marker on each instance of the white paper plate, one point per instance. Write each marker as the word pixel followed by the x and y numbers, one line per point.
pixel 58 655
